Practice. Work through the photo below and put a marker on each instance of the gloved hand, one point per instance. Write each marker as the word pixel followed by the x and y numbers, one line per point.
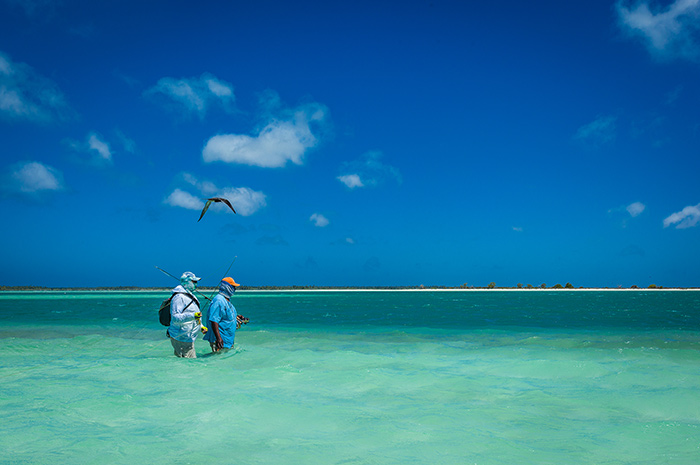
pixel 204 330
pixel 198 314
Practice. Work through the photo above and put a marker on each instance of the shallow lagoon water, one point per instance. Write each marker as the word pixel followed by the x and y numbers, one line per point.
pixel 529 377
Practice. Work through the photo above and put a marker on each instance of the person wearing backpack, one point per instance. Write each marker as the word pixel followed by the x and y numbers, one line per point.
pixel 185 316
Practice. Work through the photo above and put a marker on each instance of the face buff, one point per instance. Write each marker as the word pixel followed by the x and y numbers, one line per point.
pixel 226 289
pixel 189 281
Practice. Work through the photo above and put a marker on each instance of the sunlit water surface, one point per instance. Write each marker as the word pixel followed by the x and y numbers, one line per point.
pixel 529 377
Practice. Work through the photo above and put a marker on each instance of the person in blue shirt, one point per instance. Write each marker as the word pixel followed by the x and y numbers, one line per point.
pixel 222 318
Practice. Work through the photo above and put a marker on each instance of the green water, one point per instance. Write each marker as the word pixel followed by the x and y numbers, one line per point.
pixel 356 378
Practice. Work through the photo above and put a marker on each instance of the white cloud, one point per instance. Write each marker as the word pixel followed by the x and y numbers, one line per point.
pixel 179 198
pixel 635 209
pixel 26 95
pixel 351 180
pixel 517 229
pixel 686 218
pixel 600 131
pixel 94 151
pixel 196 95
pixel 281 140
pixel 319 220
pixel 219 88
pixel 5 65
pixel 246 201
pixel 368 171
pixel 101 147
pixel 33 177
pixel 207 188
pixel 668 33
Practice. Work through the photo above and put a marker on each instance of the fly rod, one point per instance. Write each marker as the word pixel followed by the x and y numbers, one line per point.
pixel 198 292
pixel 225 273
pixel 178 279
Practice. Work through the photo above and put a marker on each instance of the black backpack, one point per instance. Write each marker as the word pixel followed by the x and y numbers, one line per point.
pixel 164 310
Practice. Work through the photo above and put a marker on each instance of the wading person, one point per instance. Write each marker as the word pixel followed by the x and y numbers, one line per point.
pixel 222 319
pixel 185 317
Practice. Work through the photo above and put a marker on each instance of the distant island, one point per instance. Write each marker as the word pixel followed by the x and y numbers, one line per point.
pixel 491 286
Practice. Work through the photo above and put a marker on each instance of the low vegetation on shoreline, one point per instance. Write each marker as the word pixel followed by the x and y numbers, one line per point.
pixel 491 286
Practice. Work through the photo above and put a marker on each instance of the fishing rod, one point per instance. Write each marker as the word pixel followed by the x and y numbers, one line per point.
pixel 178 280
pixel 225 273
pixel 198 292
pixel 199 320
pixel 240 319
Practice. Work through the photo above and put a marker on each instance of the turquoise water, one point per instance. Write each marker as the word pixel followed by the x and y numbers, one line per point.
pixel 529 377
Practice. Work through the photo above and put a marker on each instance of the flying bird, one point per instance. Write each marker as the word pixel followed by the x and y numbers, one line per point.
pixel 215 199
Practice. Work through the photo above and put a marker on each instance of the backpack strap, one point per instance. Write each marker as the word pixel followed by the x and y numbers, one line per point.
pixel 192 300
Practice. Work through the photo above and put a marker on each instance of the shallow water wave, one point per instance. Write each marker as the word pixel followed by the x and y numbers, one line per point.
pixel 90 388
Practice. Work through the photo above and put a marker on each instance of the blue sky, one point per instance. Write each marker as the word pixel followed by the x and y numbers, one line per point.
pixel 361 143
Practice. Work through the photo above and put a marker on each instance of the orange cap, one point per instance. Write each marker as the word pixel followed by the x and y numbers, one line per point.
pixel 231 281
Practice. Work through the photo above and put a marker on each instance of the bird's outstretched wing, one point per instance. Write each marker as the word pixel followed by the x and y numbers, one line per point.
pixel 221 199
pixel 204 210
pixel 215 199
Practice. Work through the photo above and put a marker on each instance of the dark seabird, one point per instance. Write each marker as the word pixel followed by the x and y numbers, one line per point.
pixel 215 199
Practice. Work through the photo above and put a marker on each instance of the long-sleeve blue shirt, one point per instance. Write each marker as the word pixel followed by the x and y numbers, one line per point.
pixel 221 311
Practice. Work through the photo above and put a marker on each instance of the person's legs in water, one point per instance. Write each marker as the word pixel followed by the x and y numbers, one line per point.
pixel 183 349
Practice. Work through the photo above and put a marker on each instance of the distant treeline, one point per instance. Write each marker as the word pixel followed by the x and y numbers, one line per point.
pixel 43 288
pixel 250 288
pixel 492 285
pixel 320 288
